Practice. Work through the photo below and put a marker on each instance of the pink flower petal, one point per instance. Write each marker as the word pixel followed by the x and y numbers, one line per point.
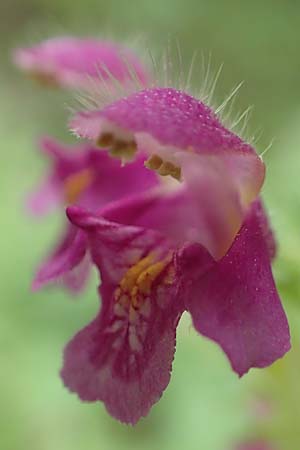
pixel 124 357
pixel 128 383
pixel 66 264
pixel 45 199
pixel 236 302
pixel 69 62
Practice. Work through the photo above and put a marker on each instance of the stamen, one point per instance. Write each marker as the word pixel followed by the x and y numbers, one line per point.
pixel 154 162
pixel 118 148
pixel 163 168
pixel 168 168
pixel 105 140
pixel 123 149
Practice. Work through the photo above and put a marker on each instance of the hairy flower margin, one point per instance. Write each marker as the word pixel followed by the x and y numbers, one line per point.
pixel 201 244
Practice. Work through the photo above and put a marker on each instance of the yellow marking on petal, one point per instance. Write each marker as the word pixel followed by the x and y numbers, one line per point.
pixel 136 284
pixel 148 276
pixel 133 300
pixel 131 276
pixel 76 183
pixel 163 168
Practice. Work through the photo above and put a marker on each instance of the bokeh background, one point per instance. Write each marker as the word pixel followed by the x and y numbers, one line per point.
pixel 205 406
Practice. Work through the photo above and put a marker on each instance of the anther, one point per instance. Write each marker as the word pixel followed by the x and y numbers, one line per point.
pixel 105 140
pixel 154 162
pixel 118 148
pixel 168 168
pixel 164 168
pixel 123 149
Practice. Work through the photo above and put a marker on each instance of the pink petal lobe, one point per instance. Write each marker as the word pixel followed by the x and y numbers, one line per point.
pixel 124 357
pixel 45 199
pixel 69 62
pixel 67 264
pixel 236 304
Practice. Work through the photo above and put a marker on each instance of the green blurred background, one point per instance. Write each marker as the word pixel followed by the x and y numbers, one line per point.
pixel 206 406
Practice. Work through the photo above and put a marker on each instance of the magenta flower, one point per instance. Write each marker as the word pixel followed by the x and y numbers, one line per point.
pixel 69 62
pixel 83 176
pixel 185 139
pixel 124 356
pixel 203 246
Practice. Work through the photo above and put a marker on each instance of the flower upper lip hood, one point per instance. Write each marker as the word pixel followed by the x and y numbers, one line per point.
pixel 169 115
pixel 69 61
pixel 183 138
